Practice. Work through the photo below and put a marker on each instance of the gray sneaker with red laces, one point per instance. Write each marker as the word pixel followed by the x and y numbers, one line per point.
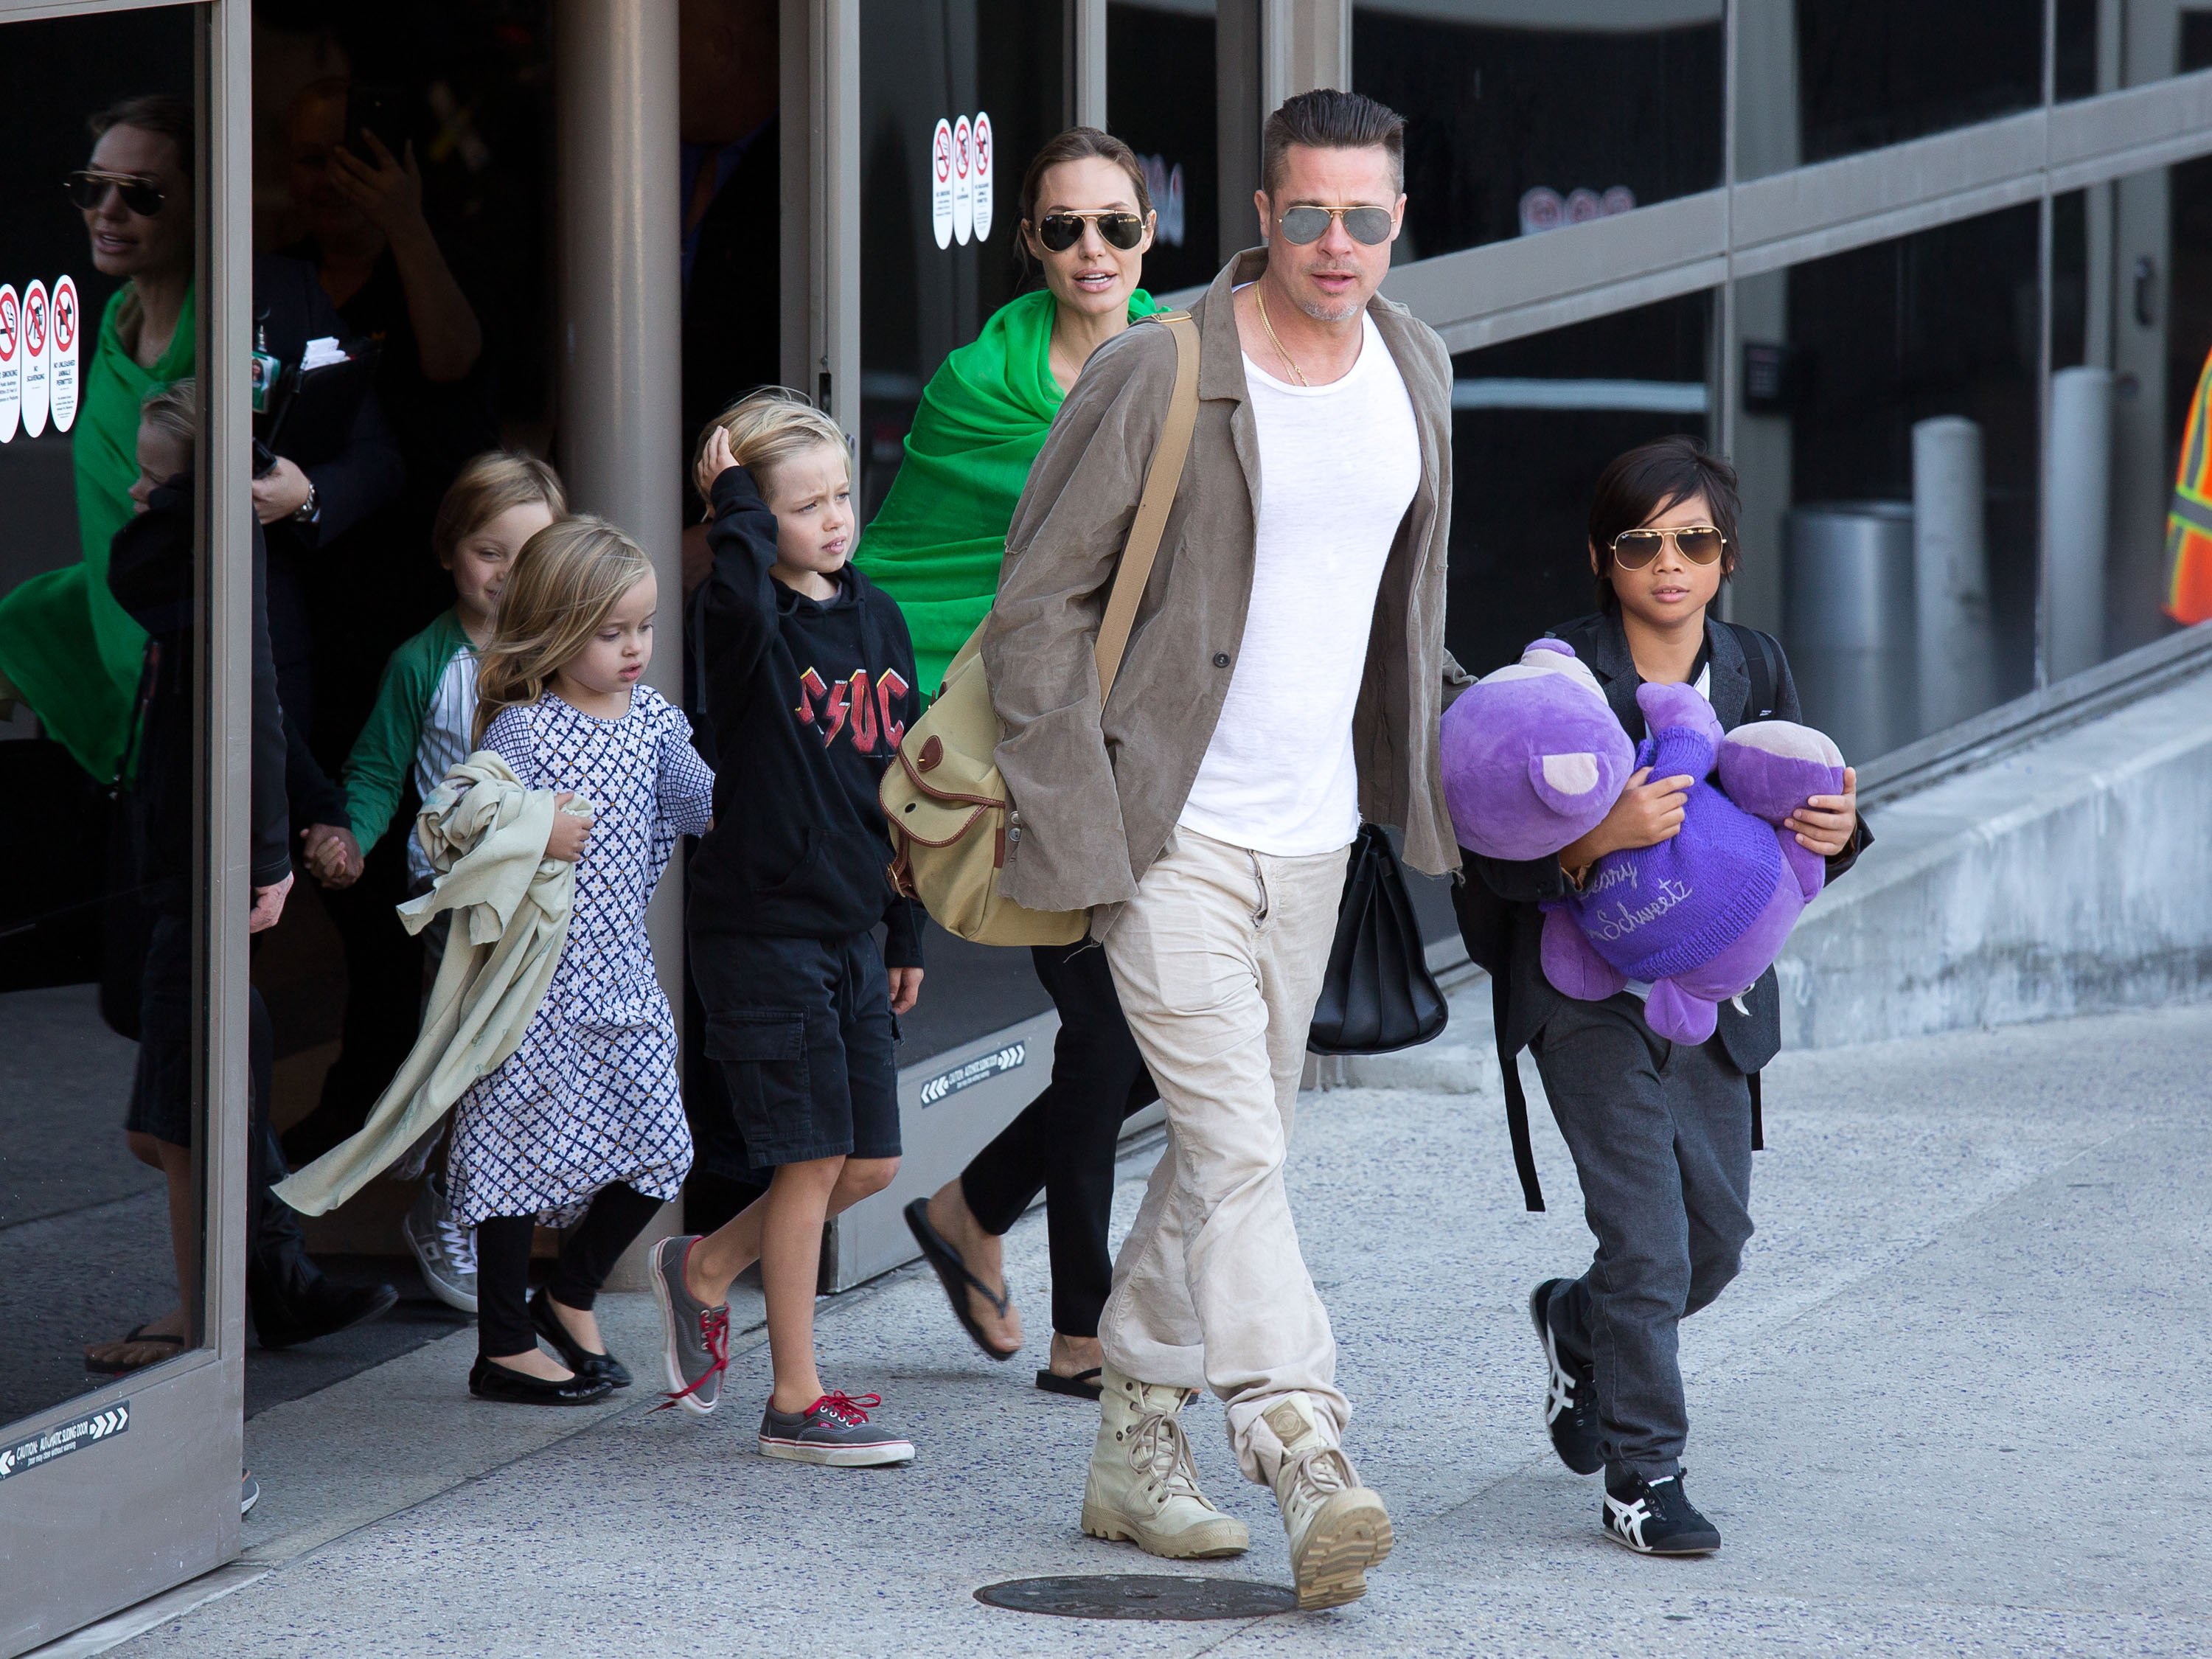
pixel 835 1430
pixel 697 1337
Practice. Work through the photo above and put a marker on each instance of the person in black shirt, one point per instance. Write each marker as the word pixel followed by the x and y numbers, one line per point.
pixel 809 677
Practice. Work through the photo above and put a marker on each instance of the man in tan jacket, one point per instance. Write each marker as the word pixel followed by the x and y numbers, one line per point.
pixel 1282 682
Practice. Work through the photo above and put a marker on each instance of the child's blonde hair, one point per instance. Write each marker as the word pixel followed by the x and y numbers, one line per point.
pixel 488 485
pixel 173 410
pixel 567 580
pixel 769 426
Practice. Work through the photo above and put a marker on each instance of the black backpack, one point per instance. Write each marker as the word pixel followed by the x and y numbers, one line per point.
pixel 1486 921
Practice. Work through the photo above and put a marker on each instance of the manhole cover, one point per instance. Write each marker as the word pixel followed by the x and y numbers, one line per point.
pixel 1140 1595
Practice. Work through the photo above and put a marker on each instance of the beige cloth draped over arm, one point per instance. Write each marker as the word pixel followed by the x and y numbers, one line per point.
pixel 486 837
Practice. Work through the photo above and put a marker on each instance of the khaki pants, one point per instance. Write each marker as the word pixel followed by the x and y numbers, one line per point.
pixel 1218 960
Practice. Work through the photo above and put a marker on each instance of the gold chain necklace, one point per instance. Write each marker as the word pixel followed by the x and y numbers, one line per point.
pixel 1260 301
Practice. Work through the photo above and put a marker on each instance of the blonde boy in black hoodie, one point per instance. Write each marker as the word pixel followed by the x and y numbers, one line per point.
pixel 807 678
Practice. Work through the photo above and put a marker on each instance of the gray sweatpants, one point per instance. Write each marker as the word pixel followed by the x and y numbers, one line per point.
pixel 1661 1134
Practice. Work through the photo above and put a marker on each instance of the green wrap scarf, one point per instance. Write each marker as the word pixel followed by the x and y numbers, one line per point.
pixel 936 544
pixel 71 651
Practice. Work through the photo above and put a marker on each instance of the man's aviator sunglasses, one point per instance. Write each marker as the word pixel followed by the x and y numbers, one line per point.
pixel 1700 543
pixel 88 188
pixel 1368 225
pixel 1059 232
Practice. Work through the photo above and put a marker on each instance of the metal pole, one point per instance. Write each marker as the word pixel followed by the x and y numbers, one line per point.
pixel 620 293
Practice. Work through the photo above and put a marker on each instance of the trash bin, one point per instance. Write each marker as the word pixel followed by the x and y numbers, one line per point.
pixel 1848 623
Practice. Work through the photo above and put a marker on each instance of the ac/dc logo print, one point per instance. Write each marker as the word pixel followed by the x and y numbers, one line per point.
pixel 869 712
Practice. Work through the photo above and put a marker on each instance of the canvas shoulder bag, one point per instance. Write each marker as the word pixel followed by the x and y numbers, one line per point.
pixel 944 802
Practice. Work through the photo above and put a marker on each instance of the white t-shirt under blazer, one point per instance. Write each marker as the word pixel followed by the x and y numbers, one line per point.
pixel 1338 466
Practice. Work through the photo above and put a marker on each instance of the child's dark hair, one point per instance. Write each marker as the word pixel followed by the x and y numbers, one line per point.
pixel 1637 486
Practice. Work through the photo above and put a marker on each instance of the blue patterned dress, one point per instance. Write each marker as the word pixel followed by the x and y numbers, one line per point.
pixel 591 1098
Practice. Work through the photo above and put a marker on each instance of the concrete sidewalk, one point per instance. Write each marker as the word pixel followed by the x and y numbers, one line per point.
pixel 1953 1405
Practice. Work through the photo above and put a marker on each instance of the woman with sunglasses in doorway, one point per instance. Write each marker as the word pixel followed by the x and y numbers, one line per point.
pixel 1661 1134
pixel 936 544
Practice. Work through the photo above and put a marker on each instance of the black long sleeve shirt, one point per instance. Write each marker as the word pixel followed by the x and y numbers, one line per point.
pixel 805 701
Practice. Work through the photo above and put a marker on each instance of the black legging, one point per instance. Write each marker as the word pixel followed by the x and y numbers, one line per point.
pixel 1064 1141
pixel 617 1215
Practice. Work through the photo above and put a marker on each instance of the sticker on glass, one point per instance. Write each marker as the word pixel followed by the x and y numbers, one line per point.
pixel 964 180
pixel 983 148
pixel 11 360
pixel 940 183
pixel 61 356
pixel 37 319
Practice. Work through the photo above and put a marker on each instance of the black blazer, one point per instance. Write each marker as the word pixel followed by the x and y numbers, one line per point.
pixel 1751 1038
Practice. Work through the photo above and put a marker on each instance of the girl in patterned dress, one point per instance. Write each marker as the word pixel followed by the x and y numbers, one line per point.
pixel 585 1119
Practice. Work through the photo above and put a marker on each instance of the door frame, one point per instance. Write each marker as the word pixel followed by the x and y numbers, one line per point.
pixel 153 1501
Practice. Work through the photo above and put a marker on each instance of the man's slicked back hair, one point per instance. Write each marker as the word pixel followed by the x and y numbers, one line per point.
pixel 1325 118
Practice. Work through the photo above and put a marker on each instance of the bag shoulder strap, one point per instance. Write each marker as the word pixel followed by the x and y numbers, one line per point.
pixel 1759 659
pixel 1162 479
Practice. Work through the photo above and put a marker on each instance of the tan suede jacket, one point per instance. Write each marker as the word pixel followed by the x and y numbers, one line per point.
pixel 1095 797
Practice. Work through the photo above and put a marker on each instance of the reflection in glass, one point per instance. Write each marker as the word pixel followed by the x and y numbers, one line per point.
pixel 923 62
pixel 1534 420
pixel 1823 78
pixel 2106 45
pixel 2131 350
pixel 1161 71
pixel 100 578
pixel 1888 442
pixel 1523 116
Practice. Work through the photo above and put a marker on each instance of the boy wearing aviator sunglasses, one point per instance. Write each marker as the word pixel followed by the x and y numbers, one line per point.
pixel 1661 1134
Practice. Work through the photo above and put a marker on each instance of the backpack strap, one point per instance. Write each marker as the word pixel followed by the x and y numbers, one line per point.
pixel 1759 653
pixel 1517 1102
pixel 1161 479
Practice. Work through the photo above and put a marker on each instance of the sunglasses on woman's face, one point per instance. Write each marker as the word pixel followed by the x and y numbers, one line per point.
pixel 88 188
pixel 1059 232
pixel 1700 543
pixel 1368 225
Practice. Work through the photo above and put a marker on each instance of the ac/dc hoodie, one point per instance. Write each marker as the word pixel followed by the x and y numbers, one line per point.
pixel 806 702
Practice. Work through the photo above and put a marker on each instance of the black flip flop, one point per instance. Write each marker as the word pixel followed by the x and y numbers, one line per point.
pixel 140 1333
pixel 952 1273
pixel 1084 1385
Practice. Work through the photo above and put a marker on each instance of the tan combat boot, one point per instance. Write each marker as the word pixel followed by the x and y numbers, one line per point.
pixel 1338 1529
pixel 1142 1486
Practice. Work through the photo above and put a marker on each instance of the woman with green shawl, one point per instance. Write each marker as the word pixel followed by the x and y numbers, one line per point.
pixel 67 648
pixel 1087 219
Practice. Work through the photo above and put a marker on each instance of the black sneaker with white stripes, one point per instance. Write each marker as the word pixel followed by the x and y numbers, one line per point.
pixel 1655 1517
pixel 1571 1396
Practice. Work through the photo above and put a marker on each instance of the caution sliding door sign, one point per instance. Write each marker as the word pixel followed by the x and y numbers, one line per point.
pixel 60 1441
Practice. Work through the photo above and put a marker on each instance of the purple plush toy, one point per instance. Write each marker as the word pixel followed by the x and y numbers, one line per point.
pixel 1697 918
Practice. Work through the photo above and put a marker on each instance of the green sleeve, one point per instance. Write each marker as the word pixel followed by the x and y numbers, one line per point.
pixel 376 770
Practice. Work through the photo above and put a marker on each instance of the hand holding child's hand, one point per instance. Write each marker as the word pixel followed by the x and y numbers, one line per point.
pixel 1825 823
pixel 569 831
pixel 332 855
pixel 715 459
pixel 906 988
pixel 267 906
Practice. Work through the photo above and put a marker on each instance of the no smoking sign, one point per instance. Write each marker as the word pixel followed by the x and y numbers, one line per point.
pixel 961 152
pixel 11 361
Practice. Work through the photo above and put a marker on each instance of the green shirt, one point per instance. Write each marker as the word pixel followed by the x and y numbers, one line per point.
pixel 69 649
pixel 376 770
pixel 936 544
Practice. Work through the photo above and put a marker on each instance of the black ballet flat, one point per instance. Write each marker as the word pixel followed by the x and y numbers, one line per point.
pixel 490 1382
pixel 576 1357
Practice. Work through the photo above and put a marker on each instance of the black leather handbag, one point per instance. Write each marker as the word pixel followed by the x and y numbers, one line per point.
pixel 1379 995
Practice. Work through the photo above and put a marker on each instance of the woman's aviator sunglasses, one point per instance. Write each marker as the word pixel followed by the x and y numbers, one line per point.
pixel 1368 225
pixel 1059 232
pixel 1700 543
pixel 88 188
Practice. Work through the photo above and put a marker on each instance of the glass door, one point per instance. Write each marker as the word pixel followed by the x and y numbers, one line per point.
pixel 124 606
